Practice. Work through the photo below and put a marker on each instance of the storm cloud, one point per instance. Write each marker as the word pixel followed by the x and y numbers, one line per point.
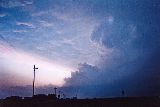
pixel 133 65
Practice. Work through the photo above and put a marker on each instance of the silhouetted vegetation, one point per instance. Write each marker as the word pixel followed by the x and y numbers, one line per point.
pixel 51 100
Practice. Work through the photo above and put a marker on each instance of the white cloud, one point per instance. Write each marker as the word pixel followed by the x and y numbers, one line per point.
pixel 55 13
pixel 25 24
pixel 63 17
pixel 19 31
pixel 28 2
pixel 68 41
pixel 110 19
pixel 15 3
pixel 45 23
pixel 2 15
pixel 11 4
pixel 37 14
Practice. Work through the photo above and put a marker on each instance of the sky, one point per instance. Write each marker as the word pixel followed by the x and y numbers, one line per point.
pixel 88 48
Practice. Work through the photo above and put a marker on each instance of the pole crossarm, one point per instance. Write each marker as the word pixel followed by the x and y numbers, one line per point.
pixel 34 68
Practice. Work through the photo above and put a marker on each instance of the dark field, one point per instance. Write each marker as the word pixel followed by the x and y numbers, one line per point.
pixel 106 102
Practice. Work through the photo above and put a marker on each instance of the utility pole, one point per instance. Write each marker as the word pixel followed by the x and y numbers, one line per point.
pixel 34 68
pixel 55 91
pixel 123 93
